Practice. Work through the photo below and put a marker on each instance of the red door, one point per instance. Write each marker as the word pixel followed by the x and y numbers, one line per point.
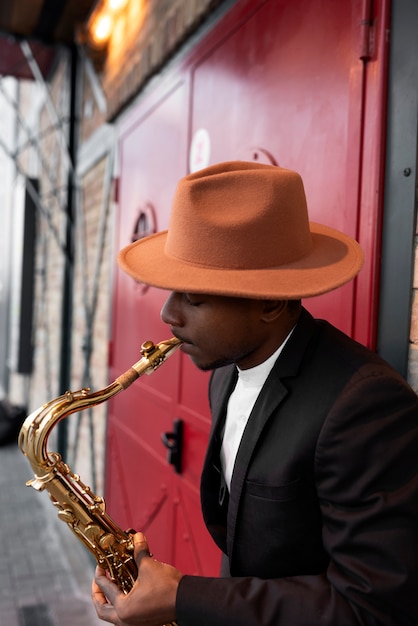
pixel 277 81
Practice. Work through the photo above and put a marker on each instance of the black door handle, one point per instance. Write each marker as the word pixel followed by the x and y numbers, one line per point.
pixel 173 441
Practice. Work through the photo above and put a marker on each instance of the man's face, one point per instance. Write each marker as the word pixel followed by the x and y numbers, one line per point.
pixel 217 330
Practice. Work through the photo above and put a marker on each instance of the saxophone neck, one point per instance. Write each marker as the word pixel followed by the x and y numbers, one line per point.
pixel 34 433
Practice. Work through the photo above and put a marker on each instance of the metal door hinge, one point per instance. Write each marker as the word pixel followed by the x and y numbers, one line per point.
pixel 367 32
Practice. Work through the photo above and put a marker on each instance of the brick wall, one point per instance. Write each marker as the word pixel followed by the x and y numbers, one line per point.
pixel 144 37
pixel 92 284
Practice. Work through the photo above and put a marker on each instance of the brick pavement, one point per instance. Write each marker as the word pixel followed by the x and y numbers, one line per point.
pixel 45 572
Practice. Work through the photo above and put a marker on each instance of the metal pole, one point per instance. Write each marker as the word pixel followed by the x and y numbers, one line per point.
pixel 68 281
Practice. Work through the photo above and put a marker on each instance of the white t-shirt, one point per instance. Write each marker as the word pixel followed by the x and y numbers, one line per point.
pixel 240 405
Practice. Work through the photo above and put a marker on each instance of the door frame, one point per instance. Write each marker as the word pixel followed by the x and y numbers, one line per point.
pixel 399 214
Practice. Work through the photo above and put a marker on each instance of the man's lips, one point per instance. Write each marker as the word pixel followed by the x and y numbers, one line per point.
pixel 184 341
pixel 178 336
pixel 186 344
pixel 186 347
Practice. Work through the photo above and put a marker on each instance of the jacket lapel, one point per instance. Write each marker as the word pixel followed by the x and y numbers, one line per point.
pixel 214 506
pixel 267 402
pixel 271 396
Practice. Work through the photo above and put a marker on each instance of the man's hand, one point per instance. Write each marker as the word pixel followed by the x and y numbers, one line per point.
pixel 152 599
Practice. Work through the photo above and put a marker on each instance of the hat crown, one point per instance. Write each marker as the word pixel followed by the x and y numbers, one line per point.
pixel 239 215
pixel 241 229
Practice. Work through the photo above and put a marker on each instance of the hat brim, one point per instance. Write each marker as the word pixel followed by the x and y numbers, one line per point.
pixel 333 261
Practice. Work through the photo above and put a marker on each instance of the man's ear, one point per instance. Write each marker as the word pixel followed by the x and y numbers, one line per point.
pixel 272 309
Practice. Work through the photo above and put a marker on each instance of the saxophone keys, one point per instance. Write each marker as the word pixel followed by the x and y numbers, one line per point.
pixel 107 541
pixel 92 532
pixel 67 516
pixel 147 348
pixel 36 483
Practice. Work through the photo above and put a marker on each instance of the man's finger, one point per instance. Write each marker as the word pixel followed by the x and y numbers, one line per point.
pixel 104 610
pixel 108 589
pixel 139 555
pixel 141 548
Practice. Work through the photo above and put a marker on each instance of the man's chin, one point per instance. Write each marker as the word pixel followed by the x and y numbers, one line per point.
pixel 208 366
pixel 203 367
pixel 198 358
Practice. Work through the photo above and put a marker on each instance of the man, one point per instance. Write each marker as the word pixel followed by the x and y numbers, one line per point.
pixel 310 483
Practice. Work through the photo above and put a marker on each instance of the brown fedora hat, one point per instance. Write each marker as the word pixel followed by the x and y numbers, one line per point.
pixel 242 229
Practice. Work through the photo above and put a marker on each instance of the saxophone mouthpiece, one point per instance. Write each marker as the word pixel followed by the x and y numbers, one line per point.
pixel 157 354
pixel 153 355
pixel 165 348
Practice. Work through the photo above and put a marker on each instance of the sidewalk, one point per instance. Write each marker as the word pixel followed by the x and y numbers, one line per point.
pixel 45 572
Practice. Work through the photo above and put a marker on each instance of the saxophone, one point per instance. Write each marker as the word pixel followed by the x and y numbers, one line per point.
pixel 82 510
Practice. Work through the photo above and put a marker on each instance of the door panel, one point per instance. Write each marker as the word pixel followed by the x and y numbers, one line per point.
pixel 288 81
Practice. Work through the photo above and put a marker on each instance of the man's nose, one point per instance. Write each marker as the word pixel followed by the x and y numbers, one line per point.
pixel 171 311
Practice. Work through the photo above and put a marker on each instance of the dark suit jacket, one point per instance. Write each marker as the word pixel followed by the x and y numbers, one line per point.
pixel 321 526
